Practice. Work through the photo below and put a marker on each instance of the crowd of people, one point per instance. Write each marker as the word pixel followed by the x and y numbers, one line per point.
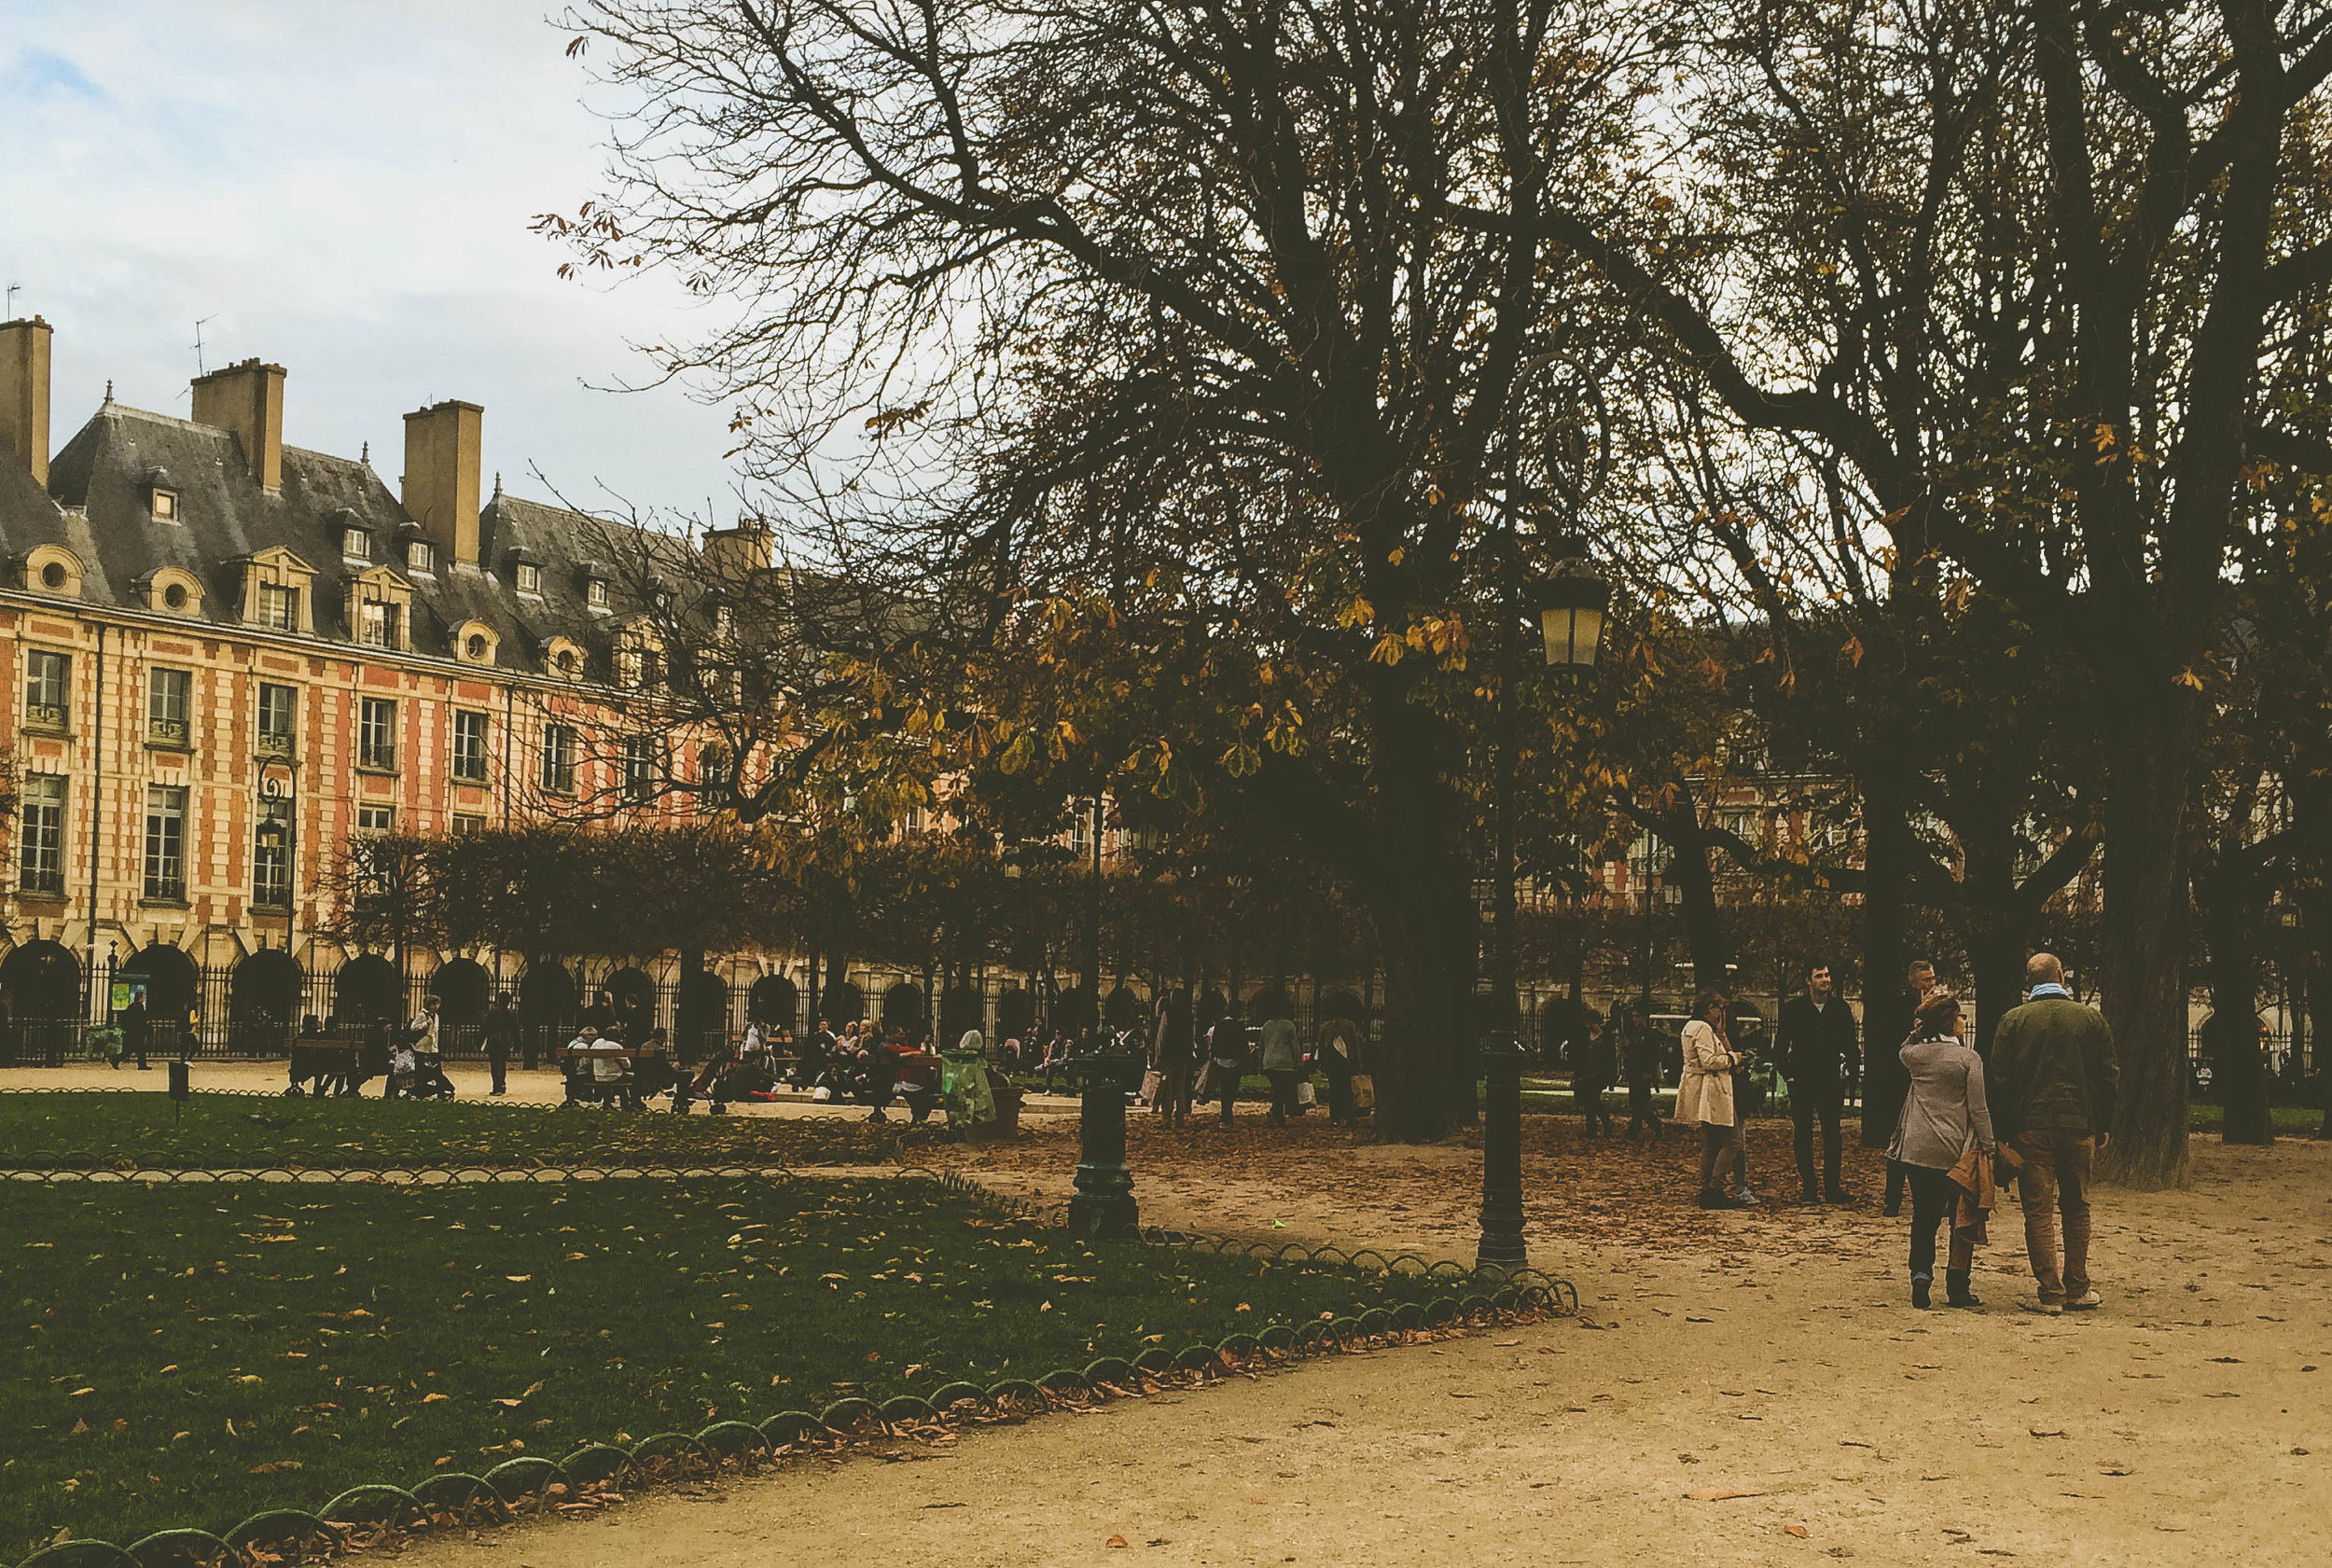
pixel 2033 1114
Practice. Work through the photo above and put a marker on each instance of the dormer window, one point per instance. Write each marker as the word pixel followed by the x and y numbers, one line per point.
pixel 724 622
pixel 356 544
pixel 378 608
pixel 381 625
pixel 279 607
pixel 595 592
pixel 566 661
pixel 165 506
pixel 275 590
pixel 419 557
pixel 530 577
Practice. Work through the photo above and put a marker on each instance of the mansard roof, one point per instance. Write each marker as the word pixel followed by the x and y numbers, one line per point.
pixel 97 505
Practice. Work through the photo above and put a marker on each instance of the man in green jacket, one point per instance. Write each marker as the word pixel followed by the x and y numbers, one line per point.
pixel 2051 1084
pixel 1283 1061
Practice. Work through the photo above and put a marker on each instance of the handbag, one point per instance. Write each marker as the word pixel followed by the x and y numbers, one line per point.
pixel 1306 1094
pixel 1363 1091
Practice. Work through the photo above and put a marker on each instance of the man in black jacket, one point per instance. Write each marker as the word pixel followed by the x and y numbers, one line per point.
pixel 1814 1048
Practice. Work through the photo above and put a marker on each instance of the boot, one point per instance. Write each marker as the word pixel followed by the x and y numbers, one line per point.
pixel 1921 1284
pixel 1810 1195
pixel 1956 1293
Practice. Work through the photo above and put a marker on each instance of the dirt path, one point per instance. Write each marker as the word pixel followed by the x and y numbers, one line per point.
pixel 1771 1354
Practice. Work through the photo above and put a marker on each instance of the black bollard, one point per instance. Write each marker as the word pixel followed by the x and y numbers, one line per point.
pixel 1103 1205
pixel 1503 1249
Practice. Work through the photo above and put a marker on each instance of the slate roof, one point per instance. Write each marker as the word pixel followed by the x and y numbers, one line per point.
pixel 96 506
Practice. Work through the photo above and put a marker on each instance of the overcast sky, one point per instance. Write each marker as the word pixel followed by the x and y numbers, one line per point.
pixel 344 189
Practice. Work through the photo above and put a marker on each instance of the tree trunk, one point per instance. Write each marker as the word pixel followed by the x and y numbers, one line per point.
pixel 1995 931
pixel 2143 986
pixel 1696 885
pixel 2229 893
pixel 1887 849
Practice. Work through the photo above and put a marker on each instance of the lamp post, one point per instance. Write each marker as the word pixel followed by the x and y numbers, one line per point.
pixel 1571 625
pixel 282 834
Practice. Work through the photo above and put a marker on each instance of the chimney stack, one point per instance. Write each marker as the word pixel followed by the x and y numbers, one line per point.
pixel 732 555
pixel 24 393
pixel 249 400
pixel 442 450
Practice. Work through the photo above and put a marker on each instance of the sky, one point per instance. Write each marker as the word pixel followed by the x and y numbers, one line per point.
pixel 342 188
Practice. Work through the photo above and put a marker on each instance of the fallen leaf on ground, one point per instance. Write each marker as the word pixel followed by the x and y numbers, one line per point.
pixel 1115 1541
pixel 1719 1494
pixel 1797 1529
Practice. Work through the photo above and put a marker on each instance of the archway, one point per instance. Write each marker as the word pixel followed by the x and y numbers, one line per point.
pixel 701 1020
pixel 1269 1002
pixel 1015 1014
pixel 368 989
pixel 264 996
pixel 43 980
pixel 903 1007
pixel 42 984
pixel 1562 1029
pixel 168 978
pixel 635 992
pixel 842 1003
pixel 546 995
pixel 1073 1010
pixel 1346 1006
pixel 774 1000
pixel 960 1008
pixel 465 988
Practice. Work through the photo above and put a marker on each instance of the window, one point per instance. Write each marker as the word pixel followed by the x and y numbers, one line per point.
pixel 276 706
pixel 166 842
pixel 559 759
pixel 475 646
pixel 419 557
pixel 595 594
pixel 639 769
pixel 712 774
pixel 724 620
pixel 628 666
pixel 530 577
pixel 566 661
pixel 376 819
pixel 469 746
pixel 40 858
pixel 48 679
pixel 272 855
pixel 174 596
pixel 54 575
pixel 166 693
pixel 376 734
pixel 165 505
pixel 356 544
pixel 467 822
pixel 279 607
pixel 380 624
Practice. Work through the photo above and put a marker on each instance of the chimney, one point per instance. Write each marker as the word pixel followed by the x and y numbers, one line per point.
pixel 442 448
pixel 732 555
pixel 24 393
pixel 249 400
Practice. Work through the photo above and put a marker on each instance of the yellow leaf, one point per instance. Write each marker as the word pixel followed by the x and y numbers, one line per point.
pixel 431 1398
pixel 518 1279
pixel 2189 678
pixel 78 1392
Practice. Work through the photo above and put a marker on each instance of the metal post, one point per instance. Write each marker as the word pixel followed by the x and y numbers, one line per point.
pixel 1501 1249
pixel 1103 1201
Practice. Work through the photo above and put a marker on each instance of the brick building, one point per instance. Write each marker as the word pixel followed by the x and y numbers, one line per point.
pixel 230 655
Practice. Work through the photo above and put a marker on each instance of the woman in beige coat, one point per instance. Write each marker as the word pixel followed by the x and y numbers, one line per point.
pixel 1704 1098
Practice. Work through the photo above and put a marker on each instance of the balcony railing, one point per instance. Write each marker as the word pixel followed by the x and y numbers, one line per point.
pixel 168 732
pixel 45 716
pixel 275 744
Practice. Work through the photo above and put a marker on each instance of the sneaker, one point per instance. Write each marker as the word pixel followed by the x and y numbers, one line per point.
pixel 2048 1308
pixel 1744 1199
pixel 2088 1302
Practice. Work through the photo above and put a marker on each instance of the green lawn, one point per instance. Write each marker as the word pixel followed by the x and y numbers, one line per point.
pixel 81 1131
pixel 190 1355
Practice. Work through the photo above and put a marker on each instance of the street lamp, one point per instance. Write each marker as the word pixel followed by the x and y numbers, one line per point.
pixel 281 833
pixel 1571 622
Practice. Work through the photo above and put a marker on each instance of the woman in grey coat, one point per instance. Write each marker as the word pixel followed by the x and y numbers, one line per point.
pixel 1943 1113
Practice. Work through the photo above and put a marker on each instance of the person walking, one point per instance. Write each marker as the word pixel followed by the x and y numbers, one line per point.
pixel 2054 1082
pixel 1340 1059
pixel 1173 1051
pixel 1814 1047
pixel 1227 1058
pixel 1704 1097
pixel 498 1033
pixel 137 1032
pixel 1597 1070
pixel 423 1034
pixel 1944 1115
pixel 1282 1056
pixel 1637 1047
pixel 1886 1099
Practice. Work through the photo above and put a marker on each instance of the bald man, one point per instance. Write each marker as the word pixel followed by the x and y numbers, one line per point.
pixel 2052 1082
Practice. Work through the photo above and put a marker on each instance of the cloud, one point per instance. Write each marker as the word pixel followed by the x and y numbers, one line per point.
pixel 344 189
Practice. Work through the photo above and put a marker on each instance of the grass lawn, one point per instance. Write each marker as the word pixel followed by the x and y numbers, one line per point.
pixel 190 1355
pixel 2291 1121
pixel 79 1132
